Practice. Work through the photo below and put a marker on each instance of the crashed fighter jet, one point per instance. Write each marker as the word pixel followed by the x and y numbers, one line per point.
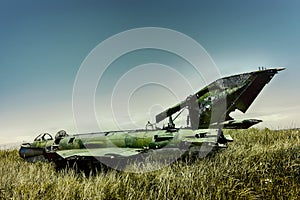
pixel 209 111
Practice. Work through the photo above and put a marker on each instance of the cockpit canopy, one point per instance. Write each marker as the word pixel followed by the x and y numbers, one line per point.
pixel 43 137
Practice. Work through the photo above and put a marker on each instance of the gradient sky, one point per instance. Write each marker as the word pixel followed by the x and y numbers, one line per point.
pixel 43 44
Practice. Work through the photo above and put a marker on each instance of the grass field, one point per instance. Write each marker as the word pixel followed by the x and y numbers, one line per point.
pixel 259 164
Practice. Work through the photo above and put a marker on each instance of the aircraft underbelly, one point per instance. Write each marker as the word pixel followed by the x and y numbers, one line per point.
pixel 98 152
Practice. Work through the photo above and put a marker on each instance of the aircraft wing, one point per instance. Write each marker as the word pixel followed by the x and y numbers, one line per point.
pixel 99 152
pixel 222 97
pixel 248 86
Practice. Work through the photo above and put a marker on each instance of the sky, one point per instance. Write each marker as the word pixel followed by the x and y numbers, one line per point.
pixel 44 44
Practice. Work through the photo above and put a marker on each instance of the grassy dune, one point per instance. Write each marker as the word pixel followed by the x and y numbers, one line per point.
pixel 259 164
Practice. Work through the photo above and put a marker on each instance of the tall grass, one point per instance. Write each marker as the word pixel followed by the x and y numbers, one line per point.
pixel 259 164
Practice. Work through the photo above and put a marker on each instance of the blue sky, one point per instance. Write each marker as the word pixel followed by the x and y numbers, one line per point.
pixel 43 44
